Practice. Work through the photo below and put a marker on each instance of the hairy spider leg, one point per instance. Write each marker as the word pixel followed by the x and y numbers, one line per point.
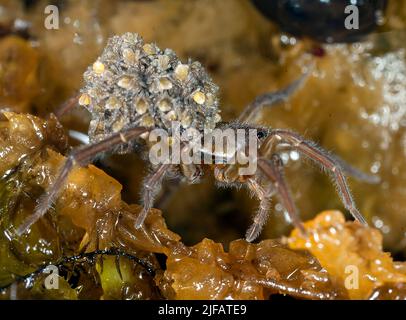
pixel 79 156
pixel 354 172
pixel 152 186
pixel 68 105
pixel 321 158
pixel 262 213
pixel 349 170
pixel 273 169
pixel 251 112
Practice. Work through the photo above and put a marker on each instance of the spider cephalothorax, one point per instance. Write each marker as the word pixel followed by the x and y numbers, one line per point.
pixel 134 89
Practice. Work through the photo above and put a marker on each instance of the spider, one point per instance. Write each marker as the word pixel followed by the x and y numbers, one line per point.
pixel 134 87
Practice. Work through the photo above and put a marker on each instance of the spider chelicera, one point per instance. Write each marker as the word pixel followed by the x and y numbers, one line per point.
pixel 135 87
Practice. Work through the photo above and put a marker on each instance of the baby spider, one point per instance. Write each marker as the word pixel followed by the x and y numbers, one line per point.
pixel 134 88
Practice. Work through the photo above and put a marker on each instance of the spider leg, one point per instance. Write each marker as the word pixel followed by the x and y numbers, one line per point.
pixel 352 171
pixel 273 169
pixel 356 173
pixel 67 106
pixel 324 160
pixel 261 216
pixel 270 99
pixel 79 156
pixel 152 186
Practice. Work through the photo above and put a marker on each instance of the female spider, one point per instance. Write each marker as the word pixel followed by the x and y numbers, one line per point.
pixel 134 88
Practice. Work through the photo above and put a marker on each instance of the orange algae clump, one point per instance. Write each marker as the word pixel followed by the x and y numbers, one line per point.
pixel 22 135
pixel 247 271
pixel 89 215
pixel 352 254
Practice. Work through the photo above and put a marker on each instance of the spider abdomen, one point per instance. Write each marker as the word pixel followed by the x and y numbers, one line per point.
pixel 134 83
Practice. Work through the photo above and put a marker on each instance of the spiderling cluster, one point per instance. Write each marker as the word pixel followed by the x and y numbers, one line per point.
pixel 136 83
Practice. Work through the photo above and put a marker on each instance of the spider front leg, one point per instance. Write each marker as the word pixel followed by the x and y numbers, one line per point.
pixel 322 159
pixel 80 156
pixel 260 218
pixel 67 106
pixel 251 112
pixel 152 187
pixel 273 170
pixel 349 170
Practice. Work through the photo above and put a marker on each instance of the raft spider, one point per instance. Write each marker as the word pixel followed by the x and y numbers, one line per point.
pixel 135 87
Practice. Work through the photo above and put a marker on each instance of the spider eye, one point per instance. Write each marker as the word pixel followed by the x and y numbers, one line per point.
pixel 261 134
